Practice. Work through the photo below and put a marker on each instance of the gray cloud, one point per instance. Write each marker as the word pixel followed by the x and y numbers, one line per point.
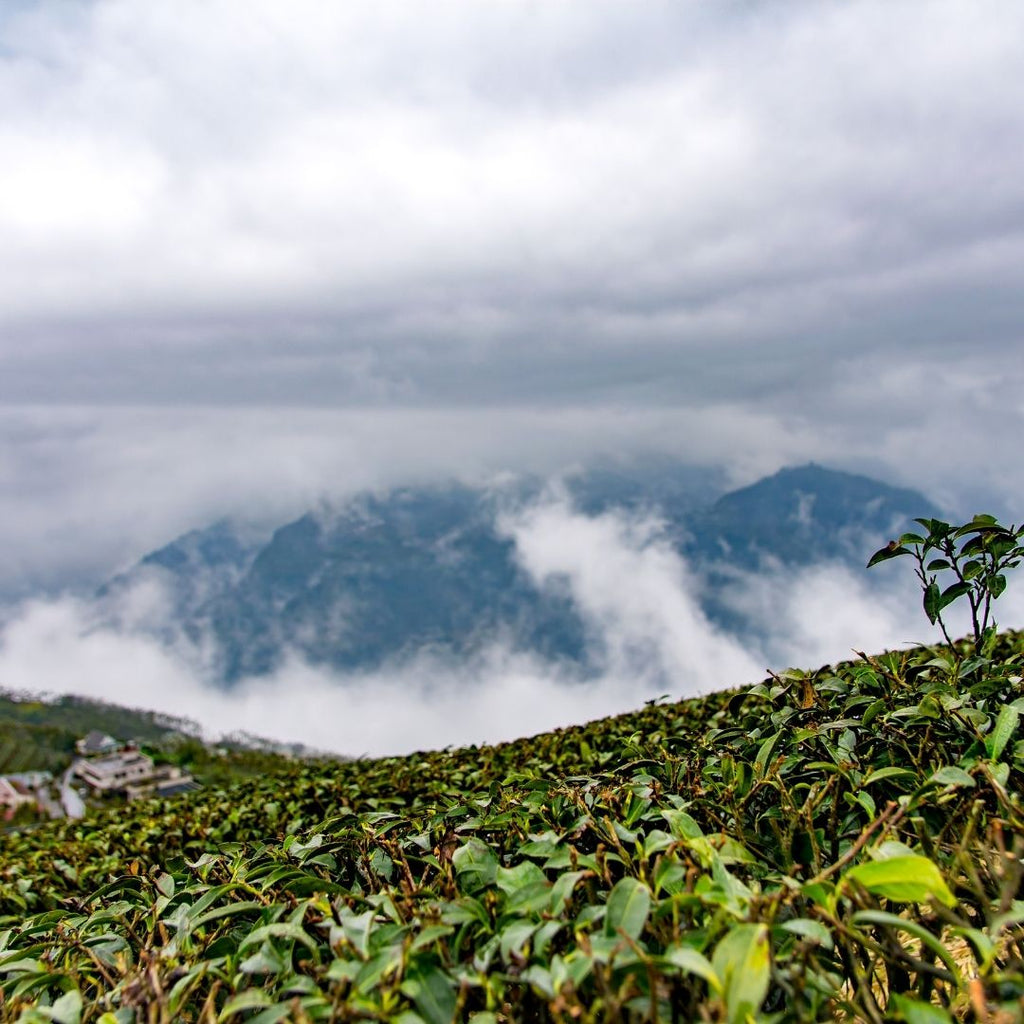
pixel 87 491
pixel 505 203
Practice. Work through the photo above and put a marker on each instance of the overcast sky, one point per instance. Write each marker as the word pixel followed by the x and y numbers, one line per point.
pixel 252 252
pixel 778 204
pixel 801 219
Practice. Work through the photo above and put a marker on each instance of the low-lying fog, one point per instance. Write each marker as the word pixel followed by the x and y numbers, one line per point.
pixel 632 588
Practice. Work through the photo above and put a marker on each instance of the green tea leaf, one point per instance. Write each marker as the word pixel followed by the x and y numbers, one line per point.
pixel 475 865
pixel 561 891
pixel 515 937
pixel 272 1014
pixel 764 754
pixel 521 876
pixel 67 1009
pixel 266 960
pixel 914 1011
pixel 742 960
pixel 902 924
pixel 907 879
pixel 356 928
pixel 629 903
pixel 431 992
pixel 1005 727
pixel 692 962
pixel 682 825
pixel 891 550
pixel 952 776
pixel 952 592
pixel 250 999
pixel 889 772
pixel 808 929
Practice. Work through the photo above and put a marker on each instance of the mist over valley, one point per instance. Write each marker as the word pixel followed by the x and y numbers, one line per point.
pixel 426 615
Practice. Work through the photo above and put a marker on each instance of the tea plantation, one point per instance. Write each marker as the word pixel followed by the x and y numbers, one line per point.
pixel 843 844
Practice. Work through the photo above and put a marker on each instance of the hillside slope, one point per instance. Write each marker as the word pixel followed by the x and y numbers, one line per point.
pixel 842 843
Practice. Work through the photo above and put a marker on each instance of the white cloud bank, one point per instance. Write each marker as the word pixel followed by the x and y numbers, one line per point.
pixel 633 589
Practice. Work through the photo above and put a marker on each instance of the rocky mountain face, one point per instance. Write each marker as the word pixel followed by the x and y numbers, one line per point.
pixel 388 576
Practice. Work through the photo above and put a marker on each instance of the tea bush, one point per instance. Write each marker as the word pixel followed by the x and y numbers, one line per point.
pixel 837 844
pixel 973 557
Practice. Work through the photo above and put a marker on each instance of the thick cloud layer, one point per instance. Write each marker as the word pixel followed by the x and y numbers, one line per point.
pixel 487 203
pixel 86 492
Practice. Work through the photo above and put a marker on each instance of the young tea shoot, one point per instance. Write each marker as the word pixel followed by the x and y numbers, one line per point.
pixel 970 560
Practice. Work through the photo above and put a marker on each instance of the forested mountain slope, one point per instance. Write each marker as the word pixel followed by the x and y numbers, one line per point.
pixel 386 576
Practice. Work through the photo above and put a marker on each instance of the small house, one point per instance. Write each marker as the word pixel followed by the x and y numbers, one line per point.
pixel 115 771
pixel 96 743
pixel 166 780
pixel 14 794
pixel 32 779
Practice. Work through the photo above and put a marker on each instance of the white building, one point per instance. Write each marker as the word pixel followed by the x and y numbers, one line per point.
pixel 96 742
pixel 166 780
pixel 13 794
pixel 115 771
pixel 32 780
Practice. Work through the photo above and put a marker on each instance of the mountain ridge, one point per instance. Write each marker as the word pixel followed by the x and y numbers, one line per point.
pixel 387 575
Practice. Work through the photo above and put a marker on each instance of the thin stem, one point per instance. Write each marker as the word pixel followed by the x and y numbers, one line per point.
pixel 972 599
pixel 922 575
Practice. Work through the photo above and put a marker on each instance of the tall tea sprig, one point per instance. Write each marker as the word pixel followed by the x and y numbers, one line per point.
pixel 971 560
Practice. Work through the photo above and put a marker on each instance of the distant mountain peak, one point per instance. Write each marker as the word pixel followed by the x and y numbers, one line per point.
pixel 804 514
pixel 385 575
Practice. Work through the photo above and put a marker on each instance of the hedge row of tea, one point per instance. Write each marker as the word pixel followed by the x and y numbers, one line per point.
pixel 840 844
